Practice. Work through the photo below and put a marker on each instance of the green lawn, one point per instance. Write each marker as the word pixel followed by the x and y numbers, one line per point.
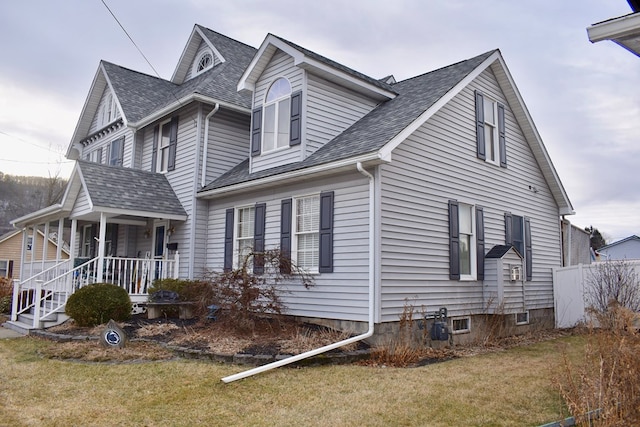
pixel 510 388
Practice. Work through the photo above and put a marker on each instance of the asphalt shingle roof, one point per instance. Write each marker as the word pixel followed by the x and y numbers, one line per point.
pixel 369 134
pixel 129 189
pixel 141 95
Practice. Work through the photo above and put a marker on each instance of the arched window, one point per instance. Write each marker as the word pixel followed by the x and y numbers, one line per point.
pixel 277 115
pixel 206 60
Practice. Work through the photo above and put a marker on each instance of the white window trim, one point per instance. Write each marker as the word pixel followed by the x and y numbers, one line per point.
pixel 295 233
pixel 472 243
pixel 6 267
pixel 276 103
pixel 109 110
pixel 196 63
pixel 461 331
pixel 494 127
pixel 515 316
pixel 160 167
pixel 237 238
pixel 86 231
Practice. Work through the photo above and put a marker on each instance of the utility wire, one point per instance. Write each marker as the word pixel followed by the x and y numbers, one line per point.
pixel 134 43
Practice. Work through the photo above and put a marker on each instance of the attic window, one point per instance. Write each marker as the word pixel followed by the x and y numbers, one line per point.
pixel 206 60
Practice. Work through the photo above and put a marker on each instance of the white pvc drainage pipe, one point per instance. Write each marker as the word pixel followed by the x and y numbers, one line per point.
pixel 338 344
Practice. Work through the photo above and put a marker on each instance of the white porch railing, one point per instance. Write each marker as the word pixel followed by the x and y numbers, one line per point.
pixel 47 292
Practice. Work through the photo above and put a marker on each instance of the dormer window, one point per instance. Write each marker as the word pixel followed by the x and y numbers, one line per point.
pixel 205 62
pixel 277 115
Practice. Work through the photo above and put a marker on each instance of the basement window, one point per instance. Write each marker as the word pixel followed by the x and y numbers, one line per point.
pixel 522 318
pixel 461 325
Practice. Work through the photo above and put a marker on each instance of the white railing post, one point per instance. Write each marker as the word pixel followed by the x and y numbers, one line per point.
pixel 176 265
pixel 14 302
pixel 36 303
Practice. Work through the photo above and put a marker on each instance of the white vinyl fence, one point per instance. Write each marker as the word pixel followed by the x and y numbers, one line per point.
pixel 569 292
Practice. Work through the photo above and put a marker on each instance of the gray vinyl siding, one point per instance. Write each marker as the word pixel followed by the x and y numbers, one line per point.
pixel 342 294
pixel 330 109
pixel 201 49
pixel 187 170
pixel 281 65
pixel 82 205
pixel 229 138
pixel 436 163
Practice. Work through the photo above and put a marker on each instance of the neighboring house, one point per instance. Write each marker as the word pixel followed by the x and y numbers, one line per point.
pixel 623 30
pixel 11 246
pixel 628 248
pixel 389 193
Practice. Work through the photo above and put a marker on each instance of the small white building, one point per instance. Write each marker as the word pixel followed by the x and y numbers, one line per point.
pixel 628 248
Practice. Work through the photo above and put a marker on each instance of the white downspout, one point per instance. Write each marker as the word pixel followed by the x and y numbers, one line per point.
pixel 335 345
pixel 203 180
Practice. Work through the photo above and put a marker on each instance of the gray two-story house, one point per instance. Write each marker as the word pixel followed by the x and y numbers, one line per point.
pixel 436 191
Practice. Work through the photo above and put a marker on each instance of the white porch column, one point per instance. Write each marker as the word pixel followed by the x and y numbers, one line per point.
pixel 34 247
pixel 101 246
pixel 72 241
pixel 45 244
pixel 23 257
pixel 60 241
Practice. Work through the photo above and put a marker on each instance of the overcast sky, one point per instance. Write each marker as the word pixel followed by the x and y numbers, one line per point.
pixel 584 98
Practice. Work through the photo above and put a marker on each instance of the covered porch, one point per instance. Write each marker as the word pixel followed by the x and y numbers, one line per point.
pixel 118 223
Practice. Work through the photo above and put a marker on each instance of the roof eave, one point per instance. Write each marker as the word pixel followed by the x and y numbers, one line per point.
pixel 327 168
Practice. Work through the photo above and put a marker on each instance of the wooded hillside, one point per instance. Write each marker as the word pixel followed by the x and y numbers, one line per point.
pixel 20 195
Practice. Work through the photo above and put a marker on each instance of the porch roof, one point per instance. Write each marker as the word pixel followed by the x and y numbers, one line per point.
pixel 116 191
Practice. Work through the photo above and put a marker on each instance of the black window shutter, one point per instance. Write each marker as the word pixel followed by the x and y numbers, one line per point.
pixel 508 226
pixel 480 242
pixel 121 152
pixel 10 269
pixel 529 253
pixel 258 238
pixel 285 236
pixel 480 143
pixel 454 241
pixel 325 263
pixel 228 240
pixel 501 136
pixel 256 132
pixel 154 152
pixel 99 156
pixel 173 143
pixel 296 119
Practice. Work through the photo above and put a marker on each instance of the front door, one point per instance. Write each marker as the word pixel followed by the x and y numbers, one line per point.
pixel 159 237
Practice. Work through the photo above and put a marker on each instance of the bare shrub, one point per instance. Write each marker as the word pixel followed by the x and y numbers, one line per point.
pixel 606 384
pixel 407 347
pixel 242 293
pixel 612 284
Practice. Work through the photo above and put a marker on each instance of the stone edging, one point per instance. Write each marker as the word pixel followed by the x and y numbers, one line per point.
pixel 236 359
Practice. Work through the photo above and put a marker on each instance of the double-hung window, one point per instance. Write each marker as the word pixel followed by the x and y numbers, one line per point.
pixel 6 267
pixel 165 140
pixel 466 241
pixel 245 226
pixel 116 152
pixel 306 233
pixel 277 116
pixel 490 130
pixel 109 110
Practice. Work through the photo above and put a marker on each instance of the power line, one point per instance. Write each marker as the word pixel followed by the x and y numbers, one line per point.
pixel 134 43
pixel 29 142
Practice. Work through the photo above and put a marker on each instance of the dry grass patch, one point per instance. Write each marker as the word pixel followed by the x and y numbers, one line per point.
pixel 93 351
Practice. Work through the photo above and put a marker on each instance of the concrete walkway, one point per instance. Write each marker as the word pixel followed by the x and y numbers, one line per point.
pixel 9 333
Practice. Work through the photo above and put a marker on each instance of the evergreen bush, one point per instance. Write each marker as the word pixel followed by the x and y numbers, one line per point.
pixel 95 304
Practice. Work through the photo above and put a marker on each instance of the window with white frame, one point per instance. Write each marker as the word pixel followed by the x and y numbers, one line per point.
pixel 491 130
pixel 109 110
pixel 467 241
pixel 4 268
pixel 116 152
pixel 29 243
pixel 164 144
pixel 94 156
pixel 522 318
pixel 306 233
pixel 461 325
pixel 277 116
pixel 204 62
pixel 87 240
pixel 244 234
